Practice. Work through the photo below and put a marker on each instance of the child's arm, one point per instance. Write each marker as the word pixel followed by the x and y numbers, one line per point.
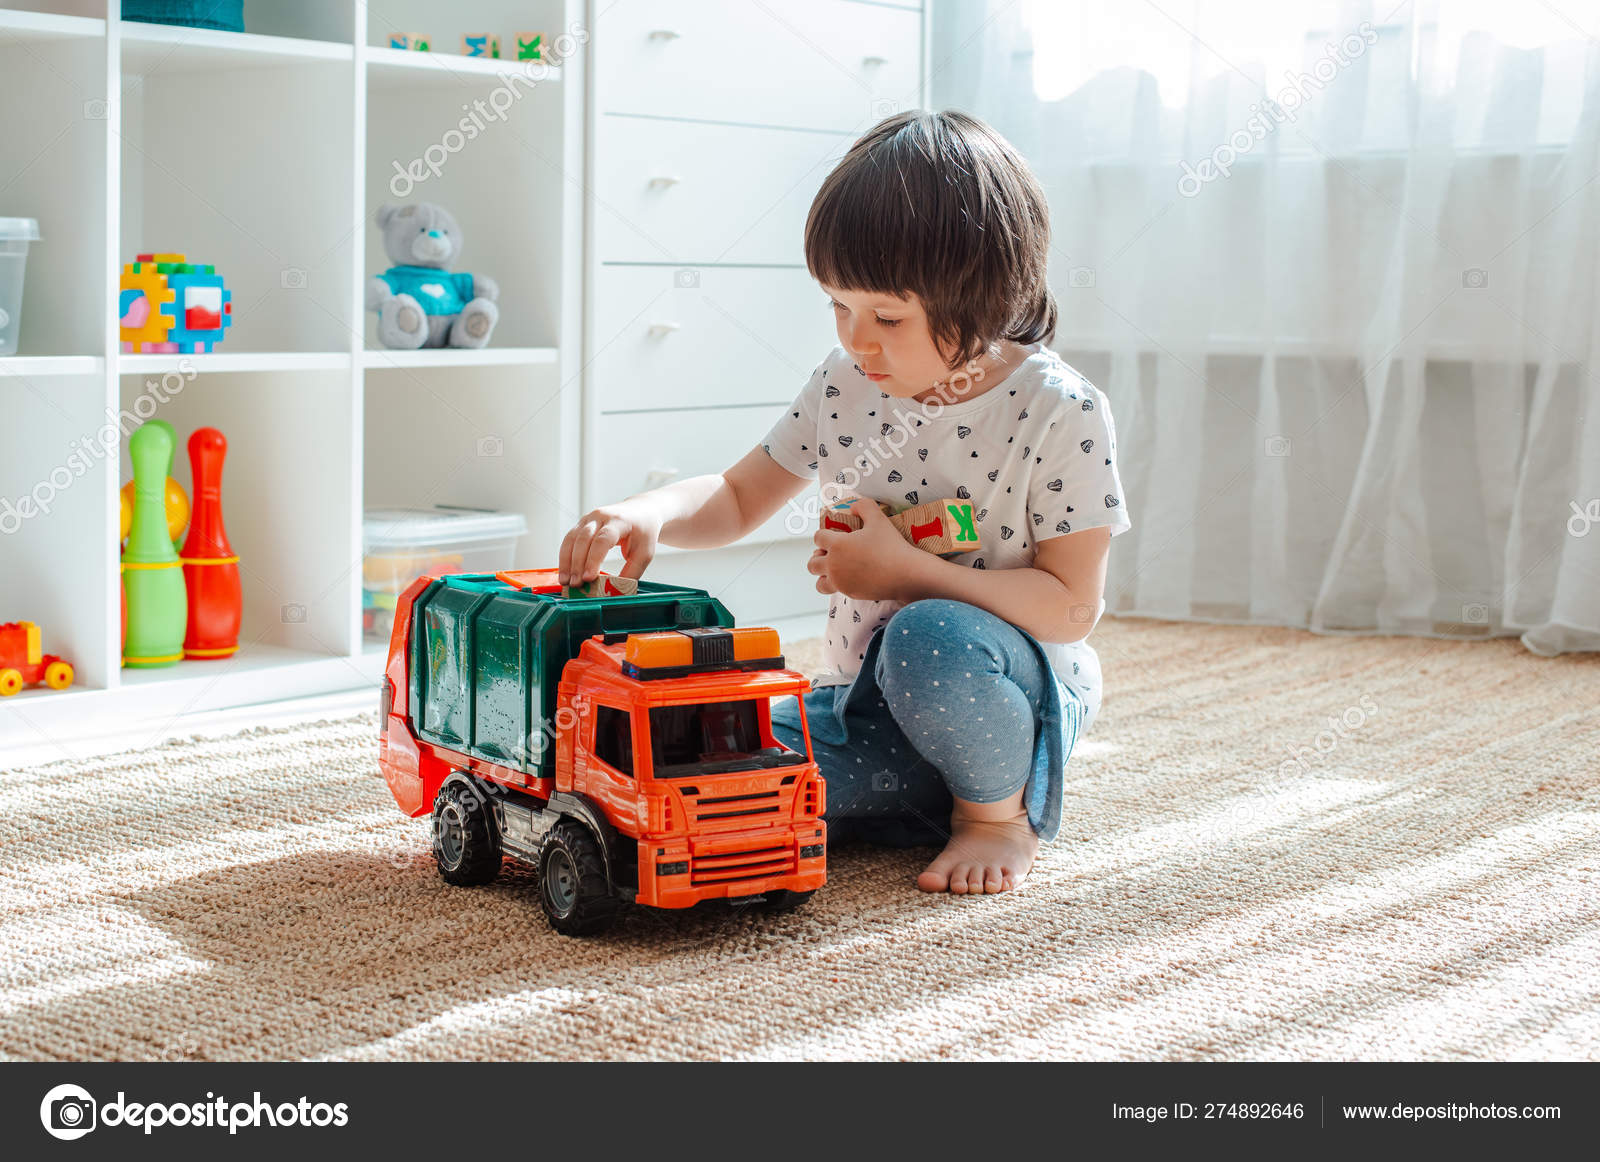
pixel 701 512
pixel 1056 599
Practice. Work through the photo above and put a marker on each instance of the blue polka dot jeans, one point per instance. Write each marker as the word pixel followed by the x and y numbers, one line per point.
pixel 946 705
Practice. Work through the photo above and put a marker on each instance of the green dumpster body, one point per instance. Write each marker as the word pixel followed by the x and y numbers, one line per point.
pixel 486 658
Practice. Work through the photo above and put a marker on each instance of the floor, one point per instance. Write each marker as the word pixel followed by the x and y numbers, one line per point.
pixel 1276 846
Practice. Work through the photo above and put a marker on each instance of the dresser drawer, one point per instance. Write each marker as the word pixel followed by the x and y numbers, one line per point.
pixel 727 335
pixel 818 64
pixel 630 447
pixel 679 191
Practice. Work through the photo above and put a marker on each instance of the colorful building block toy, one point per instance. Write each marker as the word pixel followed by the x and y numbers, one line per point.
pixel 411 41
pixel 530 46
pixel 168 304
pixel 484 44
pixel 605 585
pixel 22 662
pixel 843 517
pixel 941 527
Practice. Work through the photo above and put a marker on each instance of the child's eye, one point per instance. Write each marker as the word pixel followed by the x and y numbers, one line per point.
pixel 887 322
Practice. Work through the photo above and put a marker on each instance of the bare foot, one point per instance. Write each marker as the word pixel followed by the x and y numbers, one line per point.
pixel 991 849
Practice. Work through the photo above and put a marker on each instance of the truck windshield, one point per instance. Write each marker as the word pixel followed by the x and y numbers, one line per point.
pixel 710 737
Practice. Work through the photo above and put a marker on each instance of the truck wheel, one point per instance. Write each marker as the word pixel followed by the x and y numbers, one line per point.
pixel 784 900
pixel 572 882
pixel 464 840
pixel 10 682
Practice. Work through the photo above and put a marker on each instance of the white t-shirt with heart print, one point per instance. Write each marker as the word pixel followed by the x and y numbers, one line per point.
pixel 1036 455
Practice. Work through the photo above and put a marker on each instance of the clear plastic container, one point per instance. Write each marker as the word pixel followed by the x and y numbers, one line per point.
pixel 401 544
pixel 15 235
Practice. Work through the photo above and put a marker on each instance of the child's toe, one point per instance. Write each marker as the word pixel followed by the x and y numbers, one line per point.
pixel 934 878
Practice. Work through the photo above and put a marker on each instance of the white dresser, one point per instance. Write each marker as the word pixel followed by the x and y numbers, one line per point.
pixel 701 322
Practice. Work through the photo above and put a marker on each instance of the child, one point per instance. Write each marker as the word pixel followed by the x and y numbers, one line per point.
pixel 956 687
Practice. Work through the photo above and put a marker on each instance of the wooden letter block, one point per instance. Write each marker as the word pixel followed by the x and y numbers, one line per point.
pixel 842 518
pixel 484 44
pixel 941 527
pixel 604 585
pixel 530 46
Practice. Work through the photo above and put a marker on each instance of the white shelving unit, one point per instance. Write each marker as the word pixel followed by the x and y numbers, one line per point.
pixel 267 153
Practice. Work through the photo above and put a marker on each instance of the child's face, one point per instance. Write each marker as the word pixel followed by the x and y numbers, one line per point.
pixel 888 338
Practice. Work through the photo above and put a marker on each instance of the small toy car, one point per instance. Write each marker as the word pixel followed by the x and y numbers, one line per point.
pixel 23 664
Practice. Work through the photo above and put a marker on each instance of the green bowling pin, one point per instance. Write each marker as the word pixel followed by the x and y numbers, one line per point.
pixel 158 605
pixel 172 433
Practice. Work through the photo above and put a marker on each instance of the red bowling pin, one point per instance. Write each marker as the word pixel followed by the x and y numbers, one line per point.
pixel 210 569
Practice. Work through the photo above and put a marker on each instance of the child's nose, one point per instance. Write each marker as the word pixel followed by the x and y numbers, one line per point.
pixel 861 342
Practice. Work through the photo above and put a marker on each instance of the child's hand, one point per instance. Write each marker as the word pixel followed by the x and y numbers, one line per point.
pixel 633 526
pixel 869 563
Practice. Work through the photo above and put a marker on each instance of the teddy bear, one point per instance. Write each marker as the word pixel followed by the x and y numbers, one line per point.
pixel 420 303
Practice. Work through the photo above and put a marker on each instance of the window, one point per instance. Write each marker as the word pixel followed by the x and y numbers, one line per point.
pixel 711 736
pixel 613 738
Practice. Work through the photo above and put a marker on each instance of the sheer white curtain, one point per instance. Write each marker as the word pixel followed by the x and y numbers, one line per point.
pixel 1335 264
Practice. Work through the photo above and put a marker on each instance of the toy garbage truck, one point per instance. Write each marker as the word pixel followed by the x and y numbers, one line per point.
pixel 620 744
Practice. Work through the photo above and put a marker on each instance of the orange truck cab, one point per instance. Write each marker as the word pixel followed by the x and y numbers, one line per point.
pixel 622 745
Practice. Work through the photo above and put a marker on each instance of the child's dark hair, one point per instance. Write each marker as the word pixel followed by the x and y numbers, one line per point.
pixel 941 206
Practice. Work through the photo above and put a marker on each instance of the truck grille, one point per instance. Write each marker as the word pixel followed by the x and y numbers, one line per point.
pixel 762 858
pixel 756 807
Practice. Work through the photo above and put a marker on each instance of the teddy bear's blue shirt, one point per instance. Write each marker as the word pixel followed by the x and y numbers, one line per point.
pixel 438 292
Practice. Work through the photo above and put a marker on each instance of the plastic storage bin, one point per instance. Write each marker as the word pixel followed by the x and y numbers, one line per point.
pixel 15 235
pixel 227 15
pixel 401 544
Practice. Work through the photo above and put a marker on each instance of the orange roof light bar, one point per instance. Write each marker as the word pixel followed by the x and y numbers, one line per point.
pixel 673 653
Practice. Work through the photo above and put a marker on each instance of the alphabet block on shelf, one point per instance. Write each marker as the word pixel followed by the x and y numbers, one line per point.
pixel 941 527
pixel 530 46
pixel 412 41
pixel 484 44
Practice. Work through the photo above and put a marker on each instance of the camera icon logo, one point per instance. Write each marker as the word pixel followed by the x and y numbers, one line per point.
pixel 96 109
pixel 1475 613
pixel 1278 446
pixel 68 1112
pixel 885 781
pixel 1081 277
pixel 686 278
pixel 293 614
pixel 292 278
pixel 491 446
pixel 885 107
pixel 1474 278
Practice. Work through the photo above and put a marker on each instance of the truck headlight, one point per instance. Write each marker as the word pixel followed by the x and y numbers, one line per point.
pixel 811 851
pixel 681 868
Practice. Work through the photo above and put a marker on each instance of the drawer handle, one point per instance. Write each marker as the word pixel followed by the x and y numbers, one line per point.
pixel 664 34
pixel 661 330
pixel 664 181
pixel 873 62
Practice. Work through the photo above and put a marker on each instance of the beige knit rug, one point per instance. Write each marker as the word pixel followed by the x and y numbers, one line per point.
pixel 1424 883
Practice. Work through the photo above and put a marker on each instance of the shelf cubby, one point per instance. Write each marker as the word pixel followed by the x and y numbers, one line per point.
pixel 57 539
pixel 491 433
pixel 288 495
pixel 243 169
